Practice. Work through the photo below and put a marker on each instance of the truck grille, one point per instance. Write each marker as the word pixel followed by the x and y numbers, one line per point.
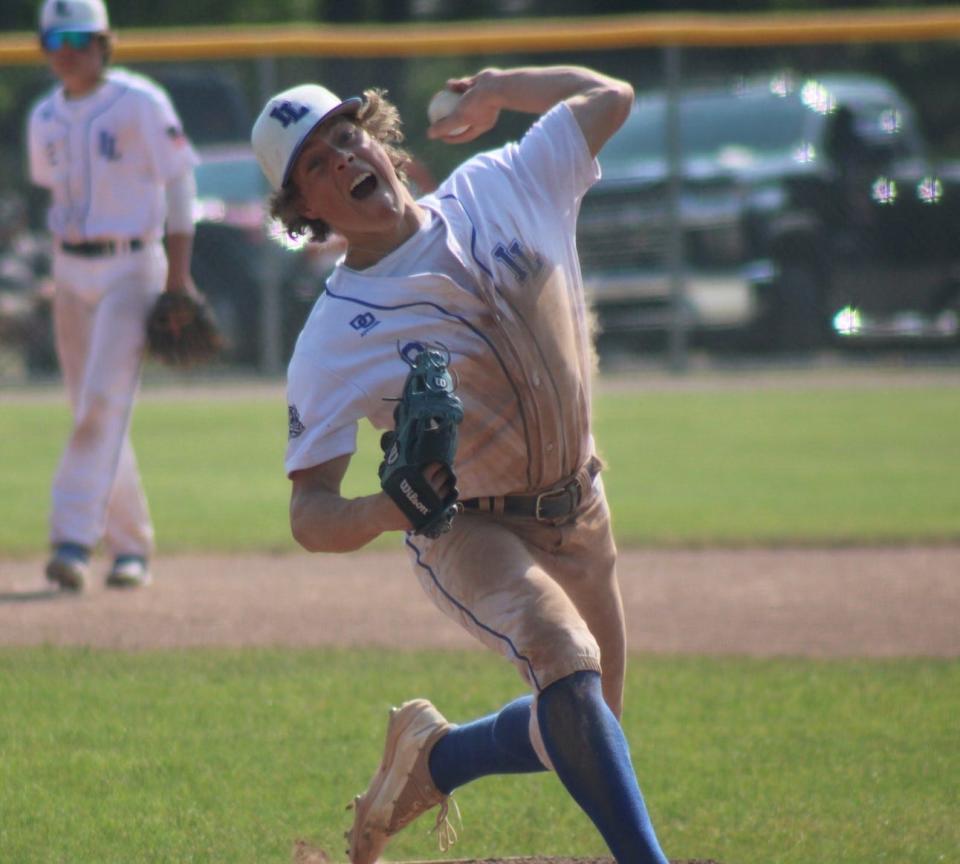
pixel 620 233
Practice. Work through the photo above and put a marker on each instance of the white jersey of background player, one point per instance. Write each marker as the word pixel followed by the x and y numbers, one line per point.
pixel 487 266
pixel 109 147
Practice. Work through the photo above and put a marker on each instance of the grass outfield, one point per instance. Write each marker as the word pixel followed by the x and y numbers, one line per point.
pixel 231 756
pixel 740 467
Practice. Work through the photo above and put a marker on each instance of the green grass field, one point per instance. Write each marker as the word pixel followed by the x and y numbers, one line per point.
pixel 231 756
pixel 741 467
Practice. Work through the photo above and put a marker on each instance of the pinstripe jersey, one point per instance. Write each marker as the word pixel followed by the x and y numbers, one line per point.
pixel 107 157
pixel 501 290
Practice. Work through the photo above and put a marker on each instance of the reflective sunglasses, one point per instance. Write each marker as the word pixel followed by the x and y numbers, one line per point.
pixel 54 41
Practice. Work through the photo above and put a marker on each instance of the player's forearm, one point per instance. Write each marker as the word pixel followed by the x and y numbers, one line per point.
pixel 179 253
pixel 181 192
pixel 323 521
pixel 536 89
pixel 599 103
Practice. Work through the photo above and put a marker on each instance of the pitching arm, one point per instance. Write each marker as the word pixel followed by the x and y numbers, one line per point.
pixel 600 103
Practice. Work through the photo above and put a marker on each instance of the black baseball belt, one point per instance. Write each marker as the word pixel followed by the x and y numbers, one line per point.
pixel 555 503
pixel 101 248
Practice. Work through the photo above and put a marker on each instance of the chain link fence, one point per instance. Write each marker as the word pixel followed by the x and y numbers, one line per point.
pixel 782 186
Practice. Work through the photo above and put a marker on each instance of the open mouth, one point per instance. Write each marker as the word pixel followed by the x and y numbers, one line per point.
pixel 363 186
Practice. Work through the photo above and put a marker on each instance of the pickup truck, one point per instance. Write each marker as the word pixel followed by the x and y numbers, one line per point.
pixel 809 212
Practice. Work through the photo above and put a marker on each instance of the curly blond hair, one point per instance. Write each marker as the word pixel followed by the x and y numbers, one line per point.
pixel 380 119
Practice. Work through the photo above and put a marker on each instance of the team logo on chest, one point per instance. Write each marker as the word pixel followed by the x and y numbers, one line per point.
pixel 522 262
pixel 107 145
pixel 364 322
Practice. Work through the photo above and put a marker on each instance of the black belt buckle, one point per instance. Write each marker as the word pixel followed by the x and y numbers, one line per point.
pixel 572 493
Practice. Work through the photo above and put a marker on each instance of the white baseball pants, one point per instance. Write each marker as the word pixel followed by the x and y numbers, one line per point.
pixel 100 310
pixel 544 595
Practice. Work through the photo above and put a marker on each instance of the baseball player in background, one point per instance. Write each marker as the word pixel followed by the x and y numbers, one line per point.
pixel 108 145
pixel 486 267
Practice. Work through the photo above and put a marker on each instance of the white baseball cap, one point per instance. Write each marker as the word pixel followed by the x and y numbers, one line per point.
pixel 81 16
pixel 286 122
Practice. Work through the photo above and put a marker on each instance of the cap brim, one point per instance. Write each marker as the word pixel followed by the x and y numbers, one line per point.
pixel 347 106
pixel 75 28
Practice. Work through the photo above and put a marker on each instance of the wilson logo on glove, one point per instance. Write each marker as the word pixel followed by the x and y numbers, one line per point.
pixel 413 498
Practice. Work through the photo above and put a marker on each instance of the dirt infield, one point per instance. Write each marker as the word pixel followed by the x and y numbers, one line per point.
pixel 858 602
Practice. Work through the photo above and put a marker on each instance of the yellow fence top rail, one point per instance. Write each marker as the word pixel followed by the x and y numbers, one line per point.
pixel 517 35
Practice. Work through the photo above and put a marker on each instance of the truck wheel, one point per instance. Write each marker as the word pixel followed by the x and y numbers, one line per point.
pixel 953 310
pixel 797 320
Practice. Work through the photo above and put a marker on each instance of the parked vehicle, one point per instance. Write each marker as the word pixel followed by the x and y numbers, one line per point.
pixel 809 211
pixel 210 102
pixel 245 265
pixel 26 289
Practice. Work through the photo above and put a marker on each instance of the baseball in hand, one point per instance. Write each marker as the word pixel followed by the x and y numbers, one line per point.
pixel 442 104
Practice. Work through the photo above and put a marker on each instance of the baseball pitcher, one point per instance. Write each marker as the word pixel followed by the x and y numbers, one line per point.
pixel 474 294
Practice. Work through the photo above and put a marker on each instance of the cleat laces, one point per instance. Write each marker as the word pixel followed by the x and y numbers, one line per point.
pixel 443 827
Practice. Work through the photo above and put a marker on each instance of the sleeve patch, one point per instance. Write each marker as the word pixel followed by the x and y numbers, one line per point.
pixel 296 428
pixel 175 134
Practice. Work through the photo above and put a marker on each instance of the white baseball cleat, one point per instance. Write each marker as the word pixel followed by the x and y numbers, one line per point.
pixel 129 571
pixel 402 789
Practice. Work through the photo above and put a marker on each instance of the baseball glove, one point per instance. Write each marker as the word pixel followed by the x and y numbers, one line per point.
pixel 426 417
pixel 181 330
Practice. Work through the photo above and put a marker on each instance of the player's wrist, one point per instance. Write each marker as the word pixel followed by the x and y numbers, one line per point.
pixel 387 516
pixel 183 285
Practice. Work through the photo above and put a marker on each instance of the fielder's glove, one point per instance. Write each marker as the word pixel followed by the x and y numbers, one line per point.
pixel 427 416
pixel 181 330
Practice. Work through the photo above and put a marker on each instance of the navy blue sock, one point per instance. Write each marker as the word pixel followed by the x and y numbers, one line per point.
pixel 496 744
pixel 72 551
pixel 592 759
